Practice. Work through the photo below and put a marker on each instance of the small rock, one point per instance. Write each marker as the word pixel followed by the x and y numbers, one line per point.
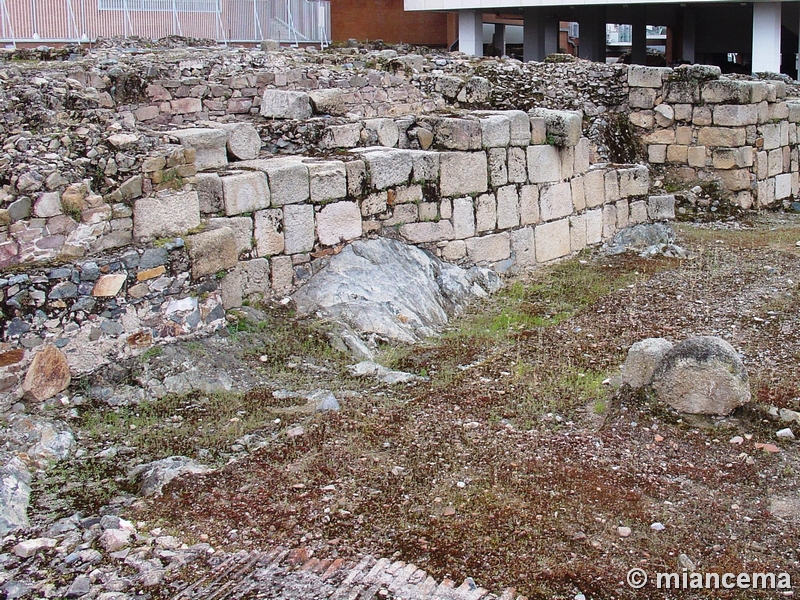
pixel 28 548
pixel 114 539
pixel 325 401
pixel 47 375
pixel 737 439
pixel 624 531
pixel 109 285
pixel 785 434
pixel 686 562
pixel 80 587
pixel 657 526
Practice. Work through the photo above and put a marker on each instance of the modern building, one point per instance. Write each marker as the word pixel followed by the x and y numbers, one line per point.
pixel 752 36
pixel 386 20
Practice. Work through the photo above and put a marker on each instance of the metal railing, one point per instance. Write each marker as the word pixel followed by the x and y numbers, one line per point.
pixel 289 21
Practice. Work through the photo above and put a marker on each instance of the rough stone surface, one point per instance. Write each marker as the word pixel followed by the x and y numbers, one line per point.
pixel 153 476
pixel 245 192
pixel 339 222
pixel 172 214
pixel 279 104
pixel 702 375
pixel 643 359
pixel 212 251
pixel 47 375
pixel 371 283
pixel 463 173
pixel 209 145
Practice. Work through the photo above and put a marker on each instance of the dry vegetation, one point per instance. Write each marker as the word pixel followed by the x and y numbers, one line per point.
pixel 517 461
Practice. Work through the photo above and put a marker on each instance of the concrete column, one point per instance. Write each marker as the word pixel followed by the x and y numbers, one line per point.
pixel 766 37
pixel 499 39
pixel 688 34
pixel 639 36
pixel 532 37
pixel 470 32
pixel 550 35
pixel 592 44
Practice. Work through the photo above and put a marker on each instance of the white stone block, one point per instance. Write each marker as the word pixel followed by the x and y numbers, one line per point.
pixel 269 232
pixel 523 246
pixel 582 155
pixel 339 222
pixel 611 181
pixel 507 207
pixel 162 216
pixel 529 205
pixel 489 248
pixel 388 167
pixel 783 186
pixel 463 218
pixel 735 115
pixel 555 201
pixel 288 178
pixel 520 128
pixel 649 77
pixel 385 131
pixel 564 127
pixel 209 145
pixel 594 189
pixel 495 130
pixel 425 165
pixel 282 272
pixel 577 233
pixel 594 226
pixel 279 104
pixel 486 213
pixel 410 193
pixel 660 208
pixel 517 165
pixel 498 169
pixel 328 180
pixel 567 161
pixel 430 231
pixel 245 193
pixel 638 212
pixel 622 213
pixel 454 251
pixel 634 181
pixel 578 194
pixel 242 228
pixel 298 228
pixel 552 240
pixel 463 173
pixel 375 204
pixel 609 221
pixel 544 164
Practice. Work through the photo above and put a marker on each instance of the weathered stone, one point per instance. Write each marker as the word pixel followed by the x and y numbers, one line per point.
pixel 172 214
pixel 342 136
pixel 385 131
pixel 507 207
pixel 555 202
pixel 489 248
pixel 48 205
pixel 517 166
pixel 495 130
pixel 634 181
pixel 544 164
pixel 278 104
pixel 47 375
pixel 523 246
pixel 432 231
pixel 153 476
pixel 552 240
pixel 242 228
pixel 725 91
pixel 388 167
pixel 328 180
pixel 212 251
pixel 577 232
pixel 564 127
pixel 529 205
pixel 642 98
pixel 721 136
pixel 498 166
pixel 268 232
pixel 463 218
pixel 109 285
pixel 298 228
pixel 463 173
pixel 594 226
pixel 282 275
pixel 377 203
pixel 702 375
pixel 643 359
pixel 650 77
pixel 339 222
pixel 456 134
pixel 209 192
pixel 728 115
pixel 386 288
pixel 243 141
pixel 245 192
pixel 28 548
pixel 209 146
pixel 289 181
pixel 328 101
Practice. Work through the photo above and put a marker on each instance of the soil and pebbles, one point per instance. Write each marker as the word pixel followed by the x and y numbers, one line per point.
pixel 511 459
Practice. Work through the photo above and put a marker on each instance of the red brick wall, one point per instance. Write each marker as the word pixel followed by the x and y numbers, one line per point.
pixel 386 20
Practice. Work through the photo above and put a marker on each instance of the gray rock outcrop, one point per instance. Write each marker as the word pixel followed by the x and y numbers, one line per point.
pixel 385 288
pixel 702 375
pixel 155 475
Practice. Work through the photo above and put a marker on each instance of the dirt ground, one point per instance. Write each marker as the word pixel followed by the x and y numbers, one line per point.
pixel 516 459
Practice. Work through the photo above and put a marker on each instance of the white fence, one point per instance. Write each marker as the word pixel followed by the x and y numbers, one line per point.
pixel 292 21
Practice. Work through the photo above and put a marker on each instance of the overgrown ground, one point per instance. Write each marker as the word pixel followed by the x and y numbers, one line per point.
pixel 518 459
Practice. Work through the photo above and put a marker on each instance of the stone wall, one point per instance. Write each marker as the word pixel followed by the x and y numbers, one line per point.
pixel 701 126
pixel 487 189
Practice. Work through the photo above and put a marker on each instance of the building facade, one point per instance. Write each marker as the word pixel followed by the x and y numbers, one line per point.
pixel 747 36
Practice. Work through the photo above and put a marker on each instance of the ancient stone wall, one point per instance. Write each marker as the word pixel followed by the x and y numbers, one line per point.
pixel 702 127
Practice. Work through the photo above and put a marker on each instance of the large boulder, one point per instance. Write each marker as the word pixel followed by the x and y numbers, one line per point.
pixel 391 290
pixel 702 375
pixel 153 476
pixel 15 492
